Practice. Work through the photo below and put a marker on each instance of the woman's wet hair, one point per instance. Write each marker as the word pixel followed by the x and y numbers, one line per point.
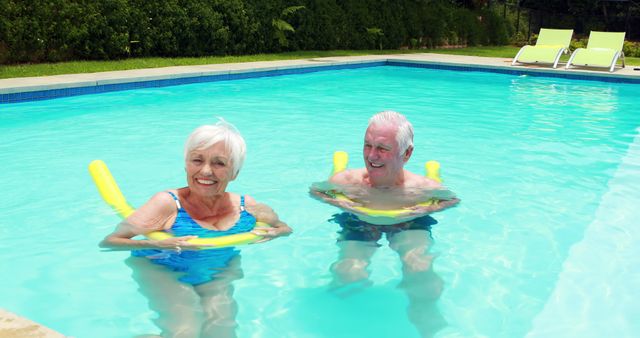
pixel 222 131
pixel 404 135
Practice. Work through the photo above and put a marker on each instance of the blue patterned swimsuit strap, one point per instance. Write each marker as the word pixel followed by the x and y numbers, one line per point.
pixel 175 198
pixel 242 203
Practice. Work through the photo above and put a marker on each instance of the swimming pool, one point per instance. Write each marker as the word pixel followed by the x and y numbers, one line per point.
pixel 545 168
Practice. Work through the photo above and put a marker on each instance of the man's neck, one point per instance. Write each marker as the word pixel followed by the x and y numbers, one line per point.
pixel 394 182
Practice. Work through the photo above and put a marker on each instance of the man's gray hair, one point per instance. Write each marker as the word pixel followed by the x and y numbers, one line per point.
pixel 404 135
pixel 222 131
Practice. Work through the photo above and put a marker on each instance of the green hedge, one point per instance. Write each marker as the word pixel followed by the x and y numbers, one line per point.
pixel 60 30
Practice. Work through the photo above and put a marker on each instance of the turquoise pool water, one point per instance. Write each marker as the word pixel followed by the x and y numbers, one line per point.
pixel 542 243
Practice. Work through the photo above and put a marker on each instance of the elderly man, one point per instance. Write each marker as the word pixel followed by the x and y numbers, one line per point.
pixel 388 145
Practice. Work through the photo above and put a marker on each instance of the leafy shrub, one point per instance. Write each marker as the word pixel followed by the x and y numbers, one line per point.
pixel 631 49
pixel 495 28
pixel 58 30
pixel 238 19
pixel 326 28
pixel 578 43
pixel 519 39
pixel 433 23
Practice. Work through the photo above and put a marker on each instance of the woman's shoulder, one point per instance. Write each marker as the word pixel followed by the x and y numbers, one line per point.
pixel 249 201
pixel 162 202
pixel 168 196
pixel 153 214
pixel 236 199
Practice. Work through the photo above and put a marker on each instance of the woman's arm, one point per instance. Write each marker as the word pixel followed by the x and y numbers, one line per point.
pixel 264 213
pixel 155 215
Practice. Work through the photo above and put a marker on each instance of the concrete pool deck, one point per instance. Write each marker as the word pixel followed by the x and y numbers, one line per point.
pixel 12 325
pixel 34 84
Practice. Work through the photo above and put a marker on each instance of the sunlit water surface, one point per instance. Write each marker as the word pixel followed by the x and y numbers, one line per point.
pixel 530 157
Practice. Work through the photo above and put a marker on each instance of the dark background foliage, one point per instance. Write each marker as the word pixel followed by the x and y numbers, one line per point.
pixel 61 30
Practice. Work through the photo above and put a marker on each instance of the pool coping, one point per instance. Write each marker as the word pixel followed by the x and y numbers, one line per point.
pixel 14 326
pixel 49 87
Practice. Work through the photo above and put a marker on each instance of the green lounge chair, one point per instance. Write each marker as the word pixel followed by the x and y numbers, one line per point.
pixel 549 47
pixel 603 50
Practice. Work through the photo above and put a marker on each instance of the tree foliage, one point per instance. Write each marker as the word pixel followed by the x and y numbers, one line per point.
pixel 58 30
pixel 281 26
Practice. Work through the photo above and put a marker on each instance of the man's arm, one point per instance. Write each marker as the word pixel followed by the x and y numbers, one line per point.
pixel 332 196
pixel 422 182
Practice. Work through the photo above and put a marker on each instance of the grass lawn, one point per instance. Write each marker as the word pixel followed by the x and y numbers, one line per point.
pixel 75 67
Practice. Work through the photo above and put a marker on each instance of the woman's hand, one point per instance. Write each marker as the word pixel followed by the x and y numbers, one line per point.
pixel 265 214
pixel 269 233
pixel 155 215
pixel 177 243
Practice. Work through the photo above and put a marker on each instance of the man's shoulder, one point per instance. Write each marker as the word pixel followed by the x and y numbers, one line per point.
pixel 348 177
pixel 418 181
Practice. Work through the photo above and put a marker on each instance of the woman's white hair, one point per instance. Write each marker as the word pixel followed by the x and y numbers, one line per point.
pixel 404 135
pixel 222 131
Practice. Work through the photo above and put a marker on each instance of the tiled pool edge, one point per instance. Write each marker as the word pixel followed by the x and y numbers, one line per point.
pixel 201 74
pixel 509 70
pixel 103 86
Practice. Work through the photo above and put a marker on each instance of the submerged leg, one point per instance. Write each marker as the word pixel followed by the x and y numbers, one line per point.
pixel 175 303
pixel 218 304
pixel 354 258
pixel 421 284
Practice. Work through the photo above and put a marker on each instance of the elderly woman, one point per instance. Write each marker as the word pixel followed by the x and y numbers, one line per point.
pixel 191 288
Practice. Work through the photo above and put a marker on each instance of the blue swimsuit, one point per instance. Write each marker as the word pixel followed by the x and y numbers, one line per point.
pixel 199 266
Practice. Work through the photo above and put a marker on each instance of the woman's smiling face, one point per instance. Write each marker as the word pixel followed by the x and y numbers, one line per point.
pixel 209 170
